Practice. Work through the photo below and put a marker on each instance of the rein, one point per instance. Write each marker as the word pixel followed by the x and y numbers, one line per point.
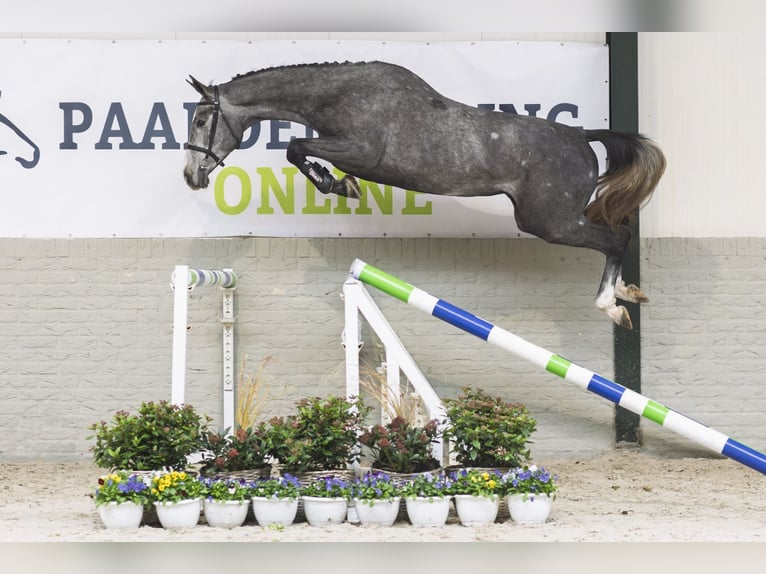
pixel 208 151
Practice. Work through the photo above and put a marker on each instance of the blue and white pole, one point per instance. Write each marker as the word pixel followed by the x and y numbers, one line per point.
pixel 560 366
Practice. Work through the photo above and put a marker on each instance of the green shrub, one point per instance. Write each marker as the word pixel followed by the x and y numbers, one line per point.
pixel 485 431
pixel 159 436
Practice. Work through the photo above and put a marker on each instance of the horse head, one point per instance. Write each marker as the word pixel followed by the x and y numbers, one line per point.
pixel 212 135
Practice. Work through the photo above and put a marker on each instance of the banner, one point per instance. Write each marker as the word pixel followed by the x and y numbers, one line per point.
pixel 92 134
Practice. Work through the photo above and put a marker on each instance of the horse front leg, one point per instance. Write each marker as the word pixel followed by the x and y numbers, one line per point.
pixel 323 180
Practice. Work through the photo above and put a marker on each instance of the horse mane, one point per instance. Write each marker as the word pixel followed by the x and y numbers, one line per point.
pixel 288 66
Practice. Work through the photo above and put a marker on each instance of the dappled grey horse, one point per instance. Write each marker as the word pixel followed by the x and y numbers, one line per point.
pixel 382 123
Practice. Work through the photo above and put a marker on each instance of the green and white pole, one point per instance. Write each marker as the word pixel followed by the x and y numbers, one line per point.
pixel 560 366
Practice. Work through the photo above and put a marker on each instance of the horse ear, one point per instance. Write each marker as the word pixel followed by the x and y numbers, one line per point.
pixel 199 86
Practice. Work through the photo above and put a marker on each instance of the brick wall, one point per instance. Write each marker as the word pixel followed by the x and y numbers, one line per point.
pixel 87 327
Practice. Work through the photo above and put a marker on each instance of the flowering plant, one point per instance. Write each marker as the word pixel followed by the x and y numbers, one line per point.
pixel 400 446
pixel 327 487
pixel 175 486
pixel 476 482
pixel 373 486
pixel 427 485
pixel 529 481
pixel 225 489
pixel 286 486
pixel 486 431
pixel 121 486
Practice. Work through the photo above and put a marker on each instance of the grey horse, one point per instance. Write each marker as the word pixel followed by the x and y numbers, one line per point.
pixel 381 122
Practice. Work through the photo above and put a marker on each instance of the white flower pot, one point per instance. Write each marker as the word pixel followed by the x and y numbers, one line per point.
pixel 322 511
pixel 427 511
pixel 377 512
pixel 225 513
pixel 534 510
pixel 181 514
pixel 476 510
pixel 121 514
pixel 279 511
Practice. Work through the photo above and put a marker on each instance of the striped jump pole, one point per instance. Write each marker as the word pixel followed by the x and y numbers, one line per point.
pixel 560 366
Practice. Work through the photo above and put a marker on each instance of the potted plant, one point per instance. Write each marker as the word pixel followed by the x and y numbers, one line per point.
pixel 530 492
pixel 376 498
pixel 486 431
pixel 325 500
pixel 275 500
pixel 477 495
pixel 226 501
pixel 427 498
pixel 402 447
pixel 159 437
pixel 120 498
pixel 241 454
pixel 321 436
pixel 177 496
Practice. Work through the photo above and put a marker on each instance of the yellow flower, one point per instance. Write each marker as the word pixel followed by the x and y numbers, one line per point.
pixel 485 475
pixel 491 484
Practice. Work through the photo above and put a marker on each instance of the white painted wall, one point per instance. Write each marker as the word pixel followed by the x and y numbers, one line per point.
pixel 701 97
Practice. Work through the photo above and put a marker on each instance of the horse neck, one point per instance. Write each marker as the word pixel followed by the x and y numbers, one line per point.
pixel 287 93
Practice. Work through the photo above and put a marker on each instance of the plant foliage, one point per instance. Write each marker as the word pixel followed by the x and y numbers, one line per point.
pixel 486 431
pixel 321 435
pixel 399 446
pixel 244 449
pixel 159 436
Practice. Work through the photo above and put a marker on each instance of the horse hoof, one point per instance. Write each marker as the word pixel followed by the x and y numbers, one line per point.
pixel 635 295
pixel 621 317
pixel 350 187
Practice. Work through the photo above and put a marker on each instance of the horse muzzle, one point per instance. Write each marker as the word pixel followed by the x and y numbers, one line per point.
pixel 197 179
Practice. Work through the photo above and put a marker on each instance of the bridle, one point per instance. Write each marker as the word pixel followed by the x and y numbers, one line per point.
pixel 208 151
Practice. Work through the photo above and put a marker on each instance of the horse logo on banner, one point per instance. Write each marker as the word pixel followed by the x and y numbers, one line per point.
pixel 17 144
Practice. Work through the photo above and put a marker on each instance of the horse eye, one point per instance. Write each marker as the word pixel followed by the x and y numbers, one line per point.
pixel 201 123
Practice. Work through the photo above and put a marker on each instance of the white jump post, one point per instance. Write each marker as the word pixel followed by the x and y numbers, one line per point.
pixel 189 278
pixel 358 300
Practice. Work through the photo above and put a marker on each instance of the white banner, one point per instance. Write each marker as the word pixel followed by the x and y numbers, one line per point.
pixel 92 134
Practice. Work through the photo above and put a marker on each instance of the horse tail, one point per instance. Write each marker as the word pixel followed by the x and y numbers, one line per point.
pixel 635 165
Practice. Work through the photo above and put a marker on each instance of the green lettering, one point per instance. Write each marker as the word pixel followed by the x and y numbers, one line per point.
pixel 384 199
pixel 411 209
pixel 244 186
pixel 311 197
pixel 285 197
pixel 342 208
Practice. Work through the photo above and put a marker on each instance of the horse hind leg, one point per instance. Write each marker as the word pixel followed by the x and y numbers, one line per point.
pixel 561 228
pixel 611 287
pixel 630 293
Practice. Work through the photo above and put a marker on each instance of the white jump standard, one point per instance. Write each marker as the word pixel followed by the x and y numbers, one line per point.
pixel 557 365
pixel 183 280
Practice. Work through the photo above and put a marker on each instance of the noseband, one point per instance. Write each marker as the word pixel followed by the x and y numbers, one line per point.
pixel 208 151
